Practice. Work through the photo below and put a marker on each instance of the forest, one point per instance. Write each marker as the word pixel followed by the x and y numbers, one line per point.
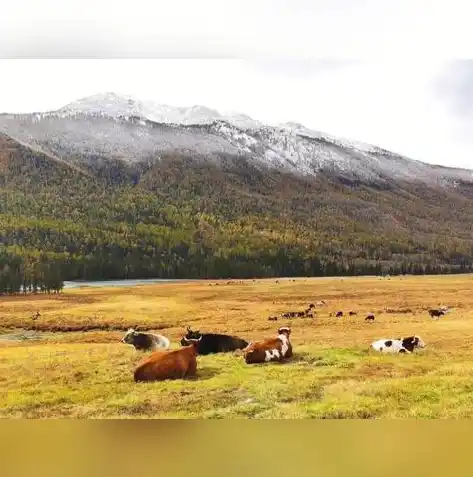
pixel 182 217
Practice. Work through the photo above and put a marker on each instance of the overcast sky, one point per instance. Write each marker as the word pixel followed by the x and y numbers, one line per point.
pixel 381 72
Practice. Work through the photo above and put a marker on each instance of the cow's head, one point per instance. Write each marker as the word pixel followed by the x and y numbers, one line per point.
pixel 418 342
pixel 192 342
pixel 284 330
pixel 129 336
pixel 190 335
pixel 414 342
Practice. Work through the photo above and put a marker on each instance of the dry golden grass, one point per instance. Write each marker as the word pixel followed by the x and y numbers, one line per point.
pixel 333 373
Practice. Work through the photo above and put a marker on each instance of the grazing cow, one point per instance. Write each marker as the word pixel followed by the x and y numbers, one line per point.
pixel 400 345
pixel 145 341
pixel 436 312
pixel 339 314
pixel 352 313
pixel 176 364
pixel 273 349
pixel 36 315
pixel 320 303
pixel 370 317
pixel 273 318
pixel 213 342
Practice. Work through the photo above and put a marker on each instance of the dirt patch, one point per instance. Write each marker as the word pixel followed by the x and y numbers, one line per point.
pixel 57 328
pixel 398 310
pixel 24 335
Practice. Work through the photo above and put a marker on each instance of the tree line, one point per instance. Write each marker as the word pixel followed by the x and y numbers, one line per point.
pixel 176 220
pixel 24 274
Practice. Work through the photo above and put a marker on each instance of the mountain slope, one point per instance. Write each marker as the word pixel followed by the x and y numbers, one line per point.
pixel 110 126
pixel 107 193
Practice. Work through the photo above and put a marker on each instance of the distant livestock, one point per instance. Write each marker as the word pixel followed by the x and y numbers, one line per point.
pixel 308 313
pixel 370 317
pixel 400 345
pixel 212 342
pixel 272 318
pixel 176 364
pixel 145 341
pixel 339 314
pixel 436 312
pixel 352 313
pixel 273 349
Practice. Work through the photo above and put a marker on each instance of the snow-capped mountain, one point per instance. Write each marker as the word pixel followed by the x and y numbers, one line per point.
pixel 124 128
pixel 115 106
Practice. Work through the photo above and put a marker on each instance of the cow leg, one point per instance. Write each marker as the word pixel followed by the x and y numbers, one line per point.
pixel 192 370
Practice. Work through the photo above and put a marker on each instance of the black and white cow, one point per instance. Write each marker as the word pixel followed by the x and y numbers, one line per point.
pixel 437 312
pixel 145 341
pixel 399 345
pixel 213 342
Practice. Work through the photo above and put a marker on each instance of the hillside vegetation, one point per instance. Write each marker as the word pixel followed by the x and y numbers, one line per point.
pixel 178 216
pixel 333 374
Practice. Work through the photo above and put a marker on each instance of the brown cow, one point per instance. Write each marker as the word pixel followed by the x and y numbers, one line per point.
pixel 176 364
pixel 273 349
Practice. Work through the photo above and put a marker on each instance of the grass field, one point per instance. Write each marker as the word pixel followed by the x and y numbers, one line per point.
pixel 333 374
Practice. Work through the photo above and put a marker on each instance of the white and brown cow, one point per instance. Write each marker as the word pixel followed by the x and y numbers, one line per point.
pixel 272 349
pixel 145 341
pixel 399 345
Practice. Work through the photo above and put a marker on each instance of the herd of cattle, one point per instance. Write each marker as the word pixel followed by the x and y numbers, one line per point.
pixel 181 363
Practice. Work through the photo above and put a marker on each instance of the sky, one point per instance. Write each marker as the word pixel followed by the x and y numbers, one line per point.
pixel 397 74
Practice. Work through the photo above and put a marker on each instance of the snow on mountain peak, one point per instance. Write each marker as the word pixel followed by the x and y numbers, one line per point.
pixel 114 105
pixel 289 146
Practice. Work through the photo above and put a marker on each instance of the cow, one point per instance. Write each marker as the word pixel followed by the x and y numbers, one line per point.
pixel 145 341
pixel 180 363
pixel 36 315
pixel 352 313
pixel 436 312
pixel 399 345
pixel 339 314
pixel 370 317
pixel 272 349
pixel 213 342
pixel 320 303
pixel 273 318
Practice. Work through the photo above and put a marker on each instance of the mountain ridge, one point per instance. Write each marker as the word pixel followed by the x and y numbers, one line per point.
pixel 290 146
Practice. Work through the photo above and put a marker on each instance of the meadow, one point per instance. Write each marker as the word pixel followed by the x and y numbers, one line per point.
pixel 70 362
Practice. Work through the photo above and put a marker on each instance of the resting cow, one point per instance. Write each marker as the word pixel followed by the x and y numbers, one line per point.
pixel 176 364
pixel 145 341
pixel 273 349
pixel 436 312
pixel 400 345
pixel 213 342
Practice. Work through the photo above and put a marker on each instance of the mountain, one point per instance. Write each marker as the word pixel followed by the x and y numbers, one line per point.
pixel 110 186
